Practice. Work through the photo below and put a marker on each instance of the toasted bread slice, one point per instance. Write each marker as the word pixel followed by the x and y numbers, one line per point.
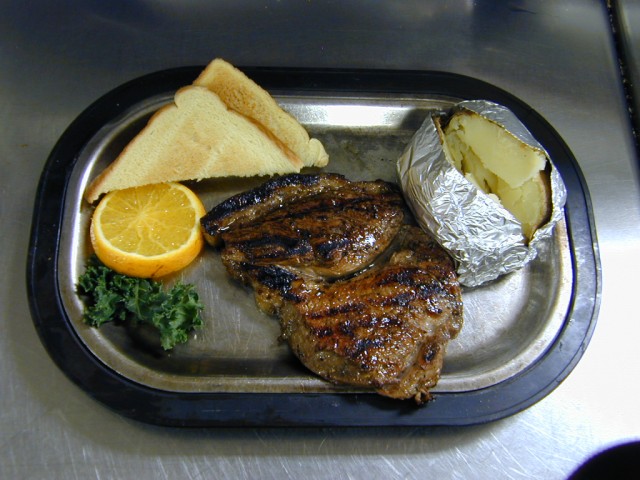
pixel 243 95
pixel 193 138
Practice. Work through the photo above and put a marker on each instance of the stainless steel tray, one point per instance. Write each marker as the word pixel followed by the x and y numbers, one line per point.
pixel 235 371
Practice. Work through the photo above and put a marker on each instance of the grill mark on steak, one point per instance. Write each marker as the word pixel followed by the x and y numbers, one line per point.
pixel 382 327
pixel 262 195
pixel 362 298
pixel 279 191
pixel 329 227
pixel 272 246
pixel 273 284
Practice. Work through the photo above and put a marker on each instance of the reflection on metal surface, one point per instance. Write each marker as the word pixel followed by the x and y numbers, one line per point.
pixel 508 324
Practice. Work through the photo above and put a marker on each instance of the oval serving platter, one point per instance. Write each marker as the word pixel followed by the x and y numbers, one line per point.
pixel 523 334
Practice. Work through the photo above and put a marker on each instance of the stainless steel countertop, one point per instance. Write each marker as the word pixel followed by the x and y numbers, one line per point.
pixel 58 57
pixel 626 15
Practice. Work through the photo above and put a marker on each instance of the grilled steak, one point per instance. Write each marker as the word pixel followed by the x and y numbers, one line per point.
pixel 363 298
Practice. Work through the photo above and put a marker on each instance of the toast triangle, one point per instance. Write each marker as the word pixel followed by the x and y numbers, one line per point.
pixel 243 95
pixel 193 138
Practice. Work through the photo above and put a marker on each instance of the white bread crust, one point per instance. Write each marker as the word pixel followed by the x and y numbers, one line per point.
pixel 243 95
pixel 193 138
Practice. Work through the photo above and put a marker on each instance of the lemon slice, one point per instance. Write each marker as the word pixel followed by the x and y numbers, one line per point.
pixel 148 231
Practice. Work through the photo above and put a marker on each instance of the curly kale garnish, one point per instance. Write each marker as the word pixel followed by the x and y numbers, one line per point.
pixel 113 297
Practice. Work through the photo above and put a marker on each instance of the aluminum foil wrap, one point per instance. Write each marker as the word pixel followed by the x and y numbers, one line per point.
pixel 483 237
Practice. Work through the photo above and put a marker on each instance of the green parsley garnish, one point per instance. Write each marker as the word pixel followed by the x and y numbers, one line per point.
pixel 113 297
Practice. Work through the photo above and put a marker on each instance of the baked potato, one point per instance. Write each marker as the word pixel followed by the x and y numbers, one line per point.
pixel 501 165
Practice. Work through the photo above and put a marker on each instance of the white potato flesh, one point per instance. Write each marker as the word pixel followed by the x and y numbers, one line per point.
pixel 530 203
pixel 466 161
pixel 498 150
pixel 501 166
